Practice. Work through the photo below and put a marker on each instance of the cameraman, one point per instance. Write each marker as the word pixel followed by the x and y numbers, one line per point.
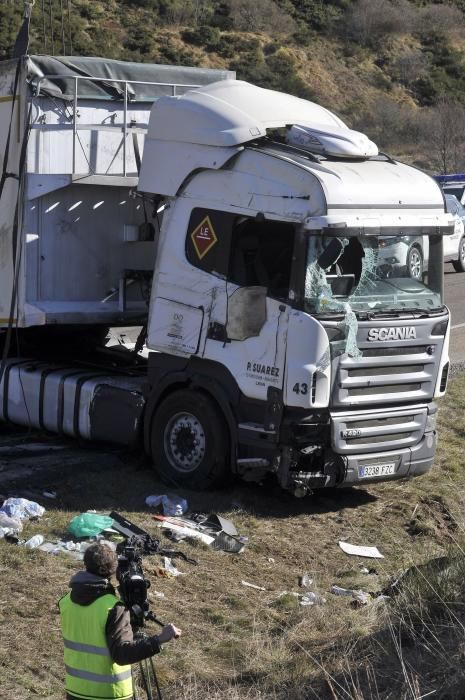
pixel 98 638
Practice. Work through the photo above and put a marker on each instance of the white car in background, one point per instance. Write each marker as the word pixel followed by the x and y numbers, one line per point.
pixel 408 256
pixel 454 246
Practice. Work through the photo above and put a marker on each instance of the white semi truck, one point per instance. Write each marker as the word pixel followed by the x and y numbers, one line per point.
pixel 242 229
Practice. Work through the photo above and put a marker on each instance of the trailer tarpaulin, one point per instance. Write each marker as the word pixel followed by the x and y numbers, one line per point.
pixel 54 76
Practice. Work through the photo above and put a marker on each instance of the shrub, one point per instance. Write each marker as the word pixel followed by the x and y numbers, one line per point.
pixel 259 16
pixel 204 35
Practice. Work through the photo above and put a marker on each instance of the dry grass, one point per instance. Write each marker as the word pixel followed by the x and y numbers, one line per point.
pixel 240 643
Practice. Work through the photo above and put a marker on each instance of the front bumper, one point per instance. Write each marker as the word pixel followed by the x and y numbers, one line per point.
pixel 358 447
pixel 412 461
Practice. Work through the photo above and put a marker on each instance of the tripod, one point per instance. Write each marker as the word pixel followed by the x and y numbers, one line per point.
pixel 147 667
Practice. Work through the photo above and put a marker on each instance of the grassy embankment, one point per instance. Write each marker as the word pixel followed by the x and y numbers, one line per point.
pixel 243 643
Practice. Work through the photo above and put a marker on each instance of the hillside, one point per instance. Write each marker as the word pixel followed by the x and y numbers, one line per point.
pixel 393 68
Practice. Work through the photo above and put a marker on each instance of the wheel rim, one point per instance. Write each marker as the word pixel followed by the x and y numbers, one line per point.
pixel 184 442
pixel 415 264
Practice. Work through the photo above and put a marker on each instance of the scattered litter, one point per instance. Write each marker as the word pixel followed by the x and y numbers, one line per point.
pixel 271 560
pixel 361 551
pixel 359 598
pixel 171 505
pixel 156 594
pixel 218 523
pixel 49 494
pixel 213 530
pixel 89 524
pixel 364 570
pixel 311 598
pixel 252 585
pixel 176 536
pixel 22 509
pixel 228 543
pixel 186 531
pixel 305 599
pixel 305 581
pixel 34 542
pixel 125 526
pixel 60 548
pixel 9 523
pixel 337 590
pixel 170 568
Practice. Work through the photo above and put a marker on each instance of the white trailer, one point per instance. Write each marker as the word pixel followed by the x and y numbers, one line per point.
pixel 280 339
pixel 81 124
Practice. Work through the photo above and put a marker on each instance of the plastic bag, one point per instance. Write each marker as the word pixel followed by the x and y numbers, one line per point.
pixel 172 505
pixel 22 509
pixel 9 523
pixel 89 524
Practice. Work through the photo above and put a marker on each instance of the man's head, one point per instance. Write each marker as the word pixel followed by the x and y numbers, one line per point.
pixel 101 560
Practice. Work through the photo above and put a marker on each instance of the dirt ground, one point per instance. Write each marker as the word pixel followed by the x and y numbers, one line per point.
pixel 238 642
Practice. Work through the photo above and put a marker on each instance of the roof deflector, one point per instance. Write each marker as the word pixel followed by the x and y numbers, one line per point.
pixel 233 112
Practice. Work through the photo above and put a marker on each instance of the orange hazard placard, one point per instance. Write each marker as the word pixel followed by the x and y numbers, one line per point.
pixel 204 237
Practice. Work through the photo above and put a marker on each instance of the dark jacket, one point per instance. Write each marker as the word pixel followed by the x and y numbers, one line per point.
pixel 124 649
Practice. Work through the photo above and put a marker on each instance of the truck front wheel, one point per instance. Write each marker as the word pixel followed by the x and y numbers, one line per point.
pixel 189 441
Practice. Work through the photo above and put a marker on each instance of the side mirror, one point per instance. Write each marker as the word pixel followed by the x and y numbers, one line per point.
pixel 246 313
pixel 331 253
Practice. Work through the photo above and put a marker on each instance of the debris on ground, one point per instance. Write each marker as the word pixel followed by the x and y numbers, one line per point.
pixel 34 542
pixel 183 531
pixel 305 599
pixel 338 590
pixel 305 581
pixel 9 524
pixel 171 505
pixel 213 530
pixel 359 597
pixel 22 508
pixel 170 568
pixel 361 551
pixel 253 585
pixel 89 524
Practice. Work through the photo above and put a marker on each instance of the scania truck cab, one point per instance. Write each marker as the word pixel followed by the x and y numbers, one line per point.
pixel 278 338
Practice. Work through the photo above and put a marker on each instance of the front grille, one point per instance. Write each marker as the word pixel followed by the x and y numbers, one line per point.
pixel 383 389
pixel 375 430
pixel 386 374
pixel 385 352
pixel 374 371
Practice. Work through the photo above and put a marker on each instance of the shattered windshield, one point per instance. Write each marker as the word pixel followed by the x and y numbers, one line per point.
pixel 369 273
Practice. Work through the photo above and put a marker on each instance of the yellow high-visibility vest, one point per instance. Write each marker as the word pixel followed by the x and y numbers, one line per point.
pixel 90 672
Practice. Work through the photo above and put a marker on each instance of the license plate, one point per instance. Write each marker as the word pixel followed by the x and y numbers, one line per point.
pixel 376 470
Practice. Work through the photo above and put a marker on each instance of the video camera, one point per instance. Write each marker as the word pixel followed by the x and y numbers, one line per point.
pixel 133 585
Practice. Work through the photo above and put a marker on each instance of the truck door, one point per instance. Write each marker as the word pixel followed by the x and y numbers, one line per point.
pixel 248 328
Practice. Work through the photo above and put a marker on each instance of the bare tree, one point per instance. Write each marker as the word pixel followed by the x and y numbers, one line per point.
pixel 440 18
pixel 259 15
pixel 444 135
pixel 411 66
pixel 370 19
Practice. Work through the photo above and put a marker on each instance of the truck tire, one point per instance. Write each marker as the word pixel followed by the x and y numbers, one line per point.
pixel 415 263
pixel 459 264
pixel 189 441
